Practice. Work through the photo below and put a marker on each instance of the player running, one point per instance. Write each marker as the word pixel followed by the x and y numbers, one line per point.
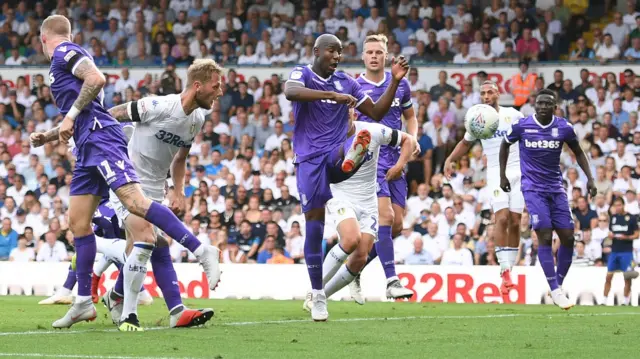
pixel 542 136
pixel 623 230
pixel 507 207
pixel 392 194
pixel 102 163
pixel 321 98
pixel 354 207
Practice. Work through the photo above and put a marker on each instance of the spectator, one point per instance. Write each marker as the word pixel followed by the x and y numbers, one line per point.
pixel 52 250
pixel 633 52
pixel 608 50
pixel 8 238
pixel 22 253
pixel 419 256
pixel 458 255
pixel 618 30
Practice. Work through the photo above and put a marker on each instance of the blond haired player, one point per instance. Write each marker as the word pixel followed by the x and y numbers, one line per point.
pixel 392 193
pixel 354 208
pixel 507 207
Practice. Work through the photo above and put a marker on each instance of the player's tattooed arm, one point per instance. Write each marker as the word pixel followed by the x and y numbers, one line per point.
pixel 38 139
pixel 120 112
pixel 93 82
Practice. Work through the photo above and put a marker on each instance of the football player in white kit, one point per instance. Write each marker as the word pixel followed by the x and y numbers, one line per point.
pixel 507 207
pixel 165 127
pixel 354 212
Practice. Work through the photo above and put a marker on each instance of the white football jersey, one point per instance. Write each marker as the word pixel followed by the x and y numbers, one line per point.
pixel 361 188
pixel 491 146
pixel 163 130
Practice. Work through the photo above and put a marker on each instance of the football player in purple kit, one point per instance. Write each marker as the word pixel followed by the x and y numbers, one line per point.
pixel 102 159
pixel 541 138
pixel 321 100
pixel 392 194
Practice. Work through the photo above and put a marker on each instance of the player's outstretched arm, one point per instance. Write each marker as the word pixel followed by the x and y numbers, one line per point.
pixel 463 147
pixel 295 91
pixel 408 144
pixel 504 157
pixel 38 139
pixel 178 170
pixel 377 110
pixel 412 127
pixel 121 112
pixel 583 162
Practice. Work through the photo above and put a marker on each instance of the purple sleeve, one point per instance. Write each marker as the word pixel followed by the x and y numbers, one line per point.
pixel 298 75
pixel 405 101
pixel 356 91
pixel 570 134
pixel 514 133
pixel 67 57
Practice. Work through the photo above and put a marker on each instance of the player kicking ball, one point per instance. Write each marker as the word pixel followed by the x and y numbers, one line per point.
pixel 392 194
pixel 507 206
pixel 102 163
pixel 541 137
pixel 623 231
pixel 321 99
pixel 354 207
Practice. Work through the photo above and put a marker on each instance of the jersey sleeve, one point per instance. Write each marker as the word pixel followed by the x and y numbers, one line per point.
pixel 405 101
pixel 298 75
pixel 385 135
pixel 68 57
pixel 146 109
pixel 570 133
pixel 469 137
pixel 514 133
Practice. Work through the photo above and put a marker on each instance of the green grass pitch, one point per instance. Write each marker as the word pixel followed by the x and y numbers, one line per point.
pixel 280 329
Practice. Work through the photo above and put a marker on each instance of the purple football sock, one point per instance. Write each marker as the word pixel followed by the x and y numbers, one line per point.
pixel 166 277
pixel 70 282
pixel 565 257
pixel 384 247
pixel 373 254
pixel 313 252
pixel 85 256
pixel 164 219
pixel 546 262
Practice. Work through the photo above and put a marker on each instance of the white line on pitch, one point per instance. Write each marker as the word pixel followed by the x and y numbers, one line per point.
pixel 81 356
pixel 340 320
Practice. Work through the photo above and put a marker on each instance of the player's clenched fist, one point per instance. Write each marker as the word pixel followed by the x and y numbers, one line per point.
pixel 346 99
pixel 399 67
pixel 504 184
pixel 37 139
pixel 66 130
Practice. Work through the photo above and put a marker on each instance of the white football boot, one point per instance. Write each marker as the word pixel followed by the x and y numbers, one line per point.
pixel 560 299
pixel 61 296
pixel 308 304
pixel 395 290
pixel 210 261
pixel 145 298
pixel 78 312
pixel 319 311
pixel 114 306
pixel 356 290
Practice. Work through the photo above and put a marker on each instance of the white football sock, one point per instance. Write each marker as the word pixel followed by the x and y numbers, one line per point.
pixel 62 291
pixel 332 262
pixel 113 249
pixel 101 265
pixel 627 300
pixel 512 256
pixel 342 278
pixel 506 257
pixel 135 270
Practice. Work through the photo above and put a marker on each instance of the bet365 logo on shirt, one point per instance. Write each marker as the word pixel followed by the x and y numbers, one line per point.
pixel 396 102
pixel 542 144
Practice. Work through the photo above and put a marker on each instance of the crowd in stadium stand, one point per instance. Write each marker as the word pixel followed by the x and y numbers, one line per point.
pixel 241 186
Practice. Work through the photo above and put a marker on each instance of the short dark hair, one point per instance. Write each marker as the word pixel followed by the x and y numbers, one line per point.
pixel 245 221
pixel 546 92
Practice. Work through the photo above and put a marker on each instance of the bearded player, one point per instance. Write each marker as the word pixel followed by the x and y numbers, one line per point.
pixel 541 138
pixel 507 206
pixel 102 163
pixel 321 99
pixel 354 208
pixel 392 194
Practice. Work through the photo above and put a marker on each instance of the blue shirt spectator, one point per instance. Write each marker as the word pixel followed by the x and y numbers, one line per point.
pixel 8 239
pixel 619 116
pixel 267 252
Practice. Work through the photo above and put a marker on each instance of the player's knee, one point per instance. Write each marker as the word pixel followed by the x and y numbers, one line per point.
pixel 133 200
pixel 80 226
pixel 502 221
pixel 386 215
pixel 349 242
pixel 397 226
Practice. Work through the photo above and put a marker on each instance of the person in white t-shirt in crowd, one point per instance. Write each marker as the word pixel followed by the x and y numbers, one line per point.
pixel 601 206
pixel 602 104
pixel 608 50
pixel 601 232
pixel 622 156
pixel 607 145
pixel 447 225
pixel 403 244
pixel 459 255
pixel 419 255
pixel 52 250
pixel 592 248
pixel 630 103
pixel 634 147
pixel 624 182
pixel 464 57
pixel 485 55
pixel 435 242
pixel 275 140
pixel 619 31
pixel 295 243
pixel 416 204
pixel 22 253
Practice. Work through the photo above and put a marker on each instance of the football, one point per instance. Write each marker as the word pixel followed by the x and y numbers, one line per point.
pixel 481 121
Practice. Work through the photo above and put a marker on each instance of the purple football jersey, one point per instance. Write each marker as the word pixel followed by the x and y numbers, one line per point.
pixel 393 119
pixel 540 149
pixel 320 126
pixel 65 88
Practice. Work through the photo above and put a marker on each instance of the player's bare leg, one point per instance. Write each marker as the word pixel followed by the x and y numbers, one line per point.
pixel 313 257
pixel 545 256
pixel 136 203
pixel 81 210
pixel 607 289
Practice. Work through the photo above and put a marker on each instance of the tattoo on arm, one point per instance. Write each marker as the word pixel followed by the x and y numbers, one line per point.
pixel 120 113
pixel 52 134
pixel 131 196
pixel 93 83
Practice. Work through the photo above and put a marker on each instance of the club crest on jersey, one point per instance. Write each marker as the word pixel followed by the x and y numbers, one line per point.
pixel 62 49
pixel 554 132
pixel 154 103
pixel 496 193
pixel 193 128
pixel 627 218
pixel 338 86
